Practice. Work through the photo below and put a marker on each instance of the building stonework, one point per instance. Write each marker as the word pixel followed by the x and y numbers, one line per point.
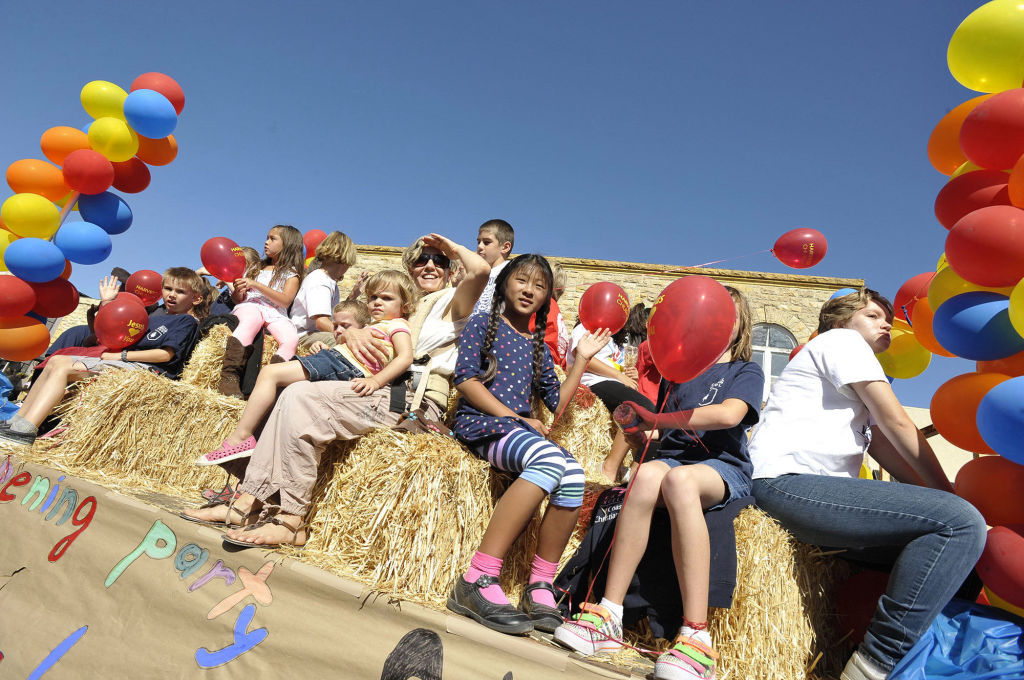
pixel 789 300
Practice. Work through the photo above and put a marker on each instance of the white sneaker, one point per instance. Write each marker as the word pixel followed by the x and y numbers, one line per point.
pixel 593 630
pixel 690 657
pixel 859 667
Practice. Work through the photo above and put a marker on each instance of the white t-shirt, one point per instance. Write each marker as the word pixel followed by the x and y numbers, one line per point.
pixel 483 303
pixel 610 354
pixel 317 295
pixel 814 422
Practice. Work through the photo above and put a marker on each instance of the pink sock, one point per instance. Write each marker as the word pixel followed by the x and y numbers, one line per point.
pixel 485 564
pixel 542 570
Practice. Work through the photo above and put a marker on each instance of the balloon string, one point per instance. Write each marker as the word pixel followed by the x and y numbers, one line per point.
pixel 69 206
pixel 727 259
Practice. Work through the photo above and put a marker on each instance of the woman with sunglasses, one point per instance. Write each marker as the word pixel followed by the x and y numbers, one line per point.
pixel 309 416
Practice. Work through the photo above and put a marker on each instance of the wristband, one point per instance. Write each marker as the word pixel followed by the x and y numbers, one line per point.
pixel 124 355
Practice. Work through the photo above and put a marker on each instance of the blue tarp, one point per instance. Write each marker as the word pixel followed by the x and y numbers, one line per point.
pixel 967 642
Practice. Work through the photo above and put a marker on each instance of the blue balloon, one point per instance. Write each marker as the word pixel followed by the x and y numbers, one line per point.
pixel 83 242
pixel 977 326
pixel 35 260
pixel 37 317
pixel 841 292
pixel 106 210
pixel 150 113
pixel 1001 419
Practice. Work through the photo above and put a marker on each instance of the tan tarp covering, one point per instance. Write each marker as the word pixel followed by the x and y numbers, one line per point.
pixel 138 592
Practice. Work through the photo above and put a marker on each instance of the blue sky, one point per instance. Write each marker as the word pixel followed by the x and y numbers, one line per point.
pixel 665 132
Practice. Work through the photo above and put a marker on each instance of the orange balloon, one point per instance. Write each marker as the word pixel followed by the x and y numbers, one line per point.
pixel 921 315
pixel 1016 186
pixel 33 176
pixel 22 338
pixel 944 150
pixel 66 274
pixel 1012 365
pixel 992 484
pixel 58 142
pixel 157 151
pixel 954 409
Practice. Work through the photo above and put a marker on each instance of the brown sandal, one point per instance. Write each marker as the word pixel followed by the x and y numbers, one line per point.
pixel 267 518
pixel 245 517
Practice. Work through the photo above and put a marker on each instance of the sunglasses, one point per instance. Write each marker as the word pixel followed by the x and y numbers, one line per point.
pixel 439 259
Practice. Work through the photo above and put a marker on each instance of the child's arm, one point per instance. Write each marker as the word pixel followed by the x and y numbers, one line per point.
pixel 606 370
pixel 282 298
pixel 396 367
pixel 729 413
pixel 160 355
pixel 108 289
pixel 586 348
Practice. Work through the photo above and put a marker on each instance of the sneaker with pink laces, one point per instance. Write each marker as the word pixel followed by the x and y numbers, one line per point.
pixel 226 453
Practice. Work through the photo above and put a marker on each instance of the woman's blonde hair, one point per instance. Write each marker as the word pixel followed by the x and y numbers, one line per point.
pixel 337 247
pixel 412 253
pixel 398 281
pixel 838 311
pixel 740 349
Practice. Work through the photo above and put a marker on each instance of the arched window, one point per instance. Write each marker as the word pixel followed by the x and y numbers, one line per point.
pixel 772 344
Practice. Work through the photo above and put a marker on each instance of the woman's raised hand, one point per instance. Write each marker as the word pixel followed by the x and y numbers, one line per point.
pixel 592 343
pixel 444 244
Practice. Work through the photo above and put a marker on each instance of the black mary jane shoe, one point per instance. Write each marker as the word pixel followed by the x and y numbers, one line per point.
pixel 544 618
pixel 504 618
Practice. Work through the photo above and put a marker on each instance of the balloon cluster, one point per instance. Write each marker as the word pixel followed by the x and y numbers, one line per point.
pixel 130 132
pixel 972 306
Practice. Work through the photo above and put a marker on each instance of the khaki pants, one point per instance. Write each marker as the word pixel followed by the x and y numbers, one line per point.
pixel 307 417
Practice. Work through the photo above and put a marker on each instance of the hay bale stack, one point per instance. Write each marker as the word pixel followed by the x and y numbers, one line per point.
pixel 204 366
pixel 584 429
pixel 781 624
pixel 139 430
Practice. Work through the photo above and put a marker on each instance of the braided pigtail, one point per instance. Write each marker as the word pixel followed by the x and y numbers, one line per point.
pixel 539 330
pixel 489 361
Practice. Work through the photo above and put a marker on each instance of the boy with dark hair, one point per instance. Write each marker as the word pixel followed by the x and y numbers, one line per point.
pixel 494 242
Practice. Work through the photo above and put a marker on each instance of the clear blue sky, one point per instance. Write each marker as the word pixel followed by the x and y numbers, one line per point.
pixel 665 132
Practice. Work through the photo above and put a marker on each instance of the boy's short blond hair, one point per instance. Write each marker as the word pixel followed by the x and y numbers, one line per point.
pixel 558 279
pixel 399 281
pixel 357 308
pixel 337 247
pixel 197 284
pixel 838 311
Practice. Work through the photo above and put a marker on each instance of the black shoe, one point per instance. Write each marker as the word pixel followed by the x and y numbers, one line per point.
pixel 544 618
pixel 504 618
pixel 10 436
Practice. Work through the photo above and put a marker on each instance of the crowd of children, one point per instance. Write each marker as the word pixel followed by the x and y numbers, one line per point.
pixel 830 405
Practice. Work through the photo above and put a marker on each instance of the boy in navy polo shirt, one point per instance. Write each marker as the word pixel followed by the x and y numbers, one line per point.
pixel 164 349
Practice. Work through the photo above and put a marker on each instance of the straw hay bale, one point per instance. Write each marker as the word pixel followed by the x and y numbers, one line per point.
pixel 204 366
pixel 138 430
pixel 79 317
pixel 584 429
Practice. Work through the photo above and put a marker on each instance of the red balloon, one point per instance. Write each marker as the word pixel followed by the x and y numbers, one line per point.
pixel 1012 366
pixel 970 191
pixel 986 247
pixel 857 600
pixel 17 298
pixel 992 135
pixel 800 248
pixel 604 305
pixel 311 239
pixel 690 326
pixel 121 322
pixel 223 258
pixel 1001 566
pixel 88 172
pixel 55 298
pixel 916 288
pixel 145 284
pixel 992 484
pixel 131 176
pixel 796 349
pixel 165 85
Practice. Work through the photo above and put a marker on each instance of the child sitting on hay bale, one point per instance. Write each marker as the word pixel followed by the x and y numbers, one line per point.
pixel 164 348
pixel 501 367
pixel 392 297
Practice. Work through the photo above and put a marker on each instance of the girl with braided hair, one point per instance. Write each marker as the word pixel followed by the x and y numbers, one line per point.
pixel 502 368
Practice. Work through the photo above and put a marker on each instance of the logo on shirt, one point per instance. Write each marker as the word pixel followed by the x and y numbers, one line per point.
pixel 153 335
pixel 709 398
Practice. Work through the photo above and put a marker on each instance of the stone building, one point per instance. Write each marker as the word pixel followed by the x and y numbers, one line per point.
pixel 785 306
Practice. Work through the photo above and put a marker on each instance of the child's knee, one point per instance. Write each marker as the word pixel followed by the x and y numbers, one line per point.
pixel 681 484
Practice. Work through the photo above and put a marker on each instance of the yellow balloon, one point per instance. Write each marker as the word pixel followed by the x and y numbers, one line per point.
pixel 30 215
pixel 113 138
pixel 948 283
pixel 1017 308
pixel 6 239
pixel 966 166
pixel 985 52
pixel 905 357
pixel 101 99
pixel 997 601
pixel 941 264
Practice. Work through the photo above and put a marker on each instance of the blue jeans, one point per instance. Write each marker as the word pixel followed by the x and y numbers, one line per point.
pixel 936 539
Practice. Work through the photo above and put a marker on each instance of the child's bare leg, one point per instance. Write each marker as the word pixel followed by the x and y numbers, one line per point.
pixel 273 534
pixel 613 461
pixel 49 388
pixel 687 491
pixel 511 515
pixel 555 531
pixel 235 512
pixel 272 378
pixel 633 528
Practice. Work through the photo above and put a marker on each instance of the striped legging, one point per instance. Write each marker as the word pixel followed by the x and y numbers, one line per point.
pixel 541 462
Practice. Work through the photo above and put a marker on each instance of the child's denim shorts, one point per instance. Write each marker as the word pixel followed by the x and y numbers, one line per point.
pixel 328 364
pixel 737 484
